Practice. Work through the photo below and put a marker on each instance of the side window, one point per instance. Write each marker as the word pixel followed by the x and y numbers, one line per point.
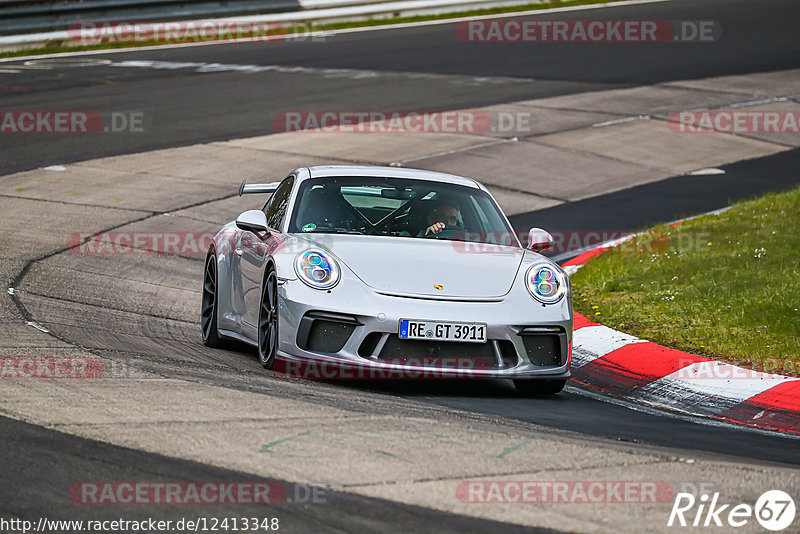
pixel 279 203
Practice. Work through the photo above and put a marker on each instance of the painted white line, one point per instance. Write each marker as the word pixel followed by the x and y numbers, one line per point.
pixel 37 327
pixel 712 212
pixel 28 65
pixel 757 102
pixel 592 342
pixel 711 171
pixel 620 121
pixel 734 105
pixel 355 74
pixel 46 64
pixel 342 31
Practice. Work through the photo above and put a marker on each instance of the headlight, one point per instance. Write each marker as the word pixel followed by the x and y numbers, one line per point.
pixel 546 283
pixel 317 269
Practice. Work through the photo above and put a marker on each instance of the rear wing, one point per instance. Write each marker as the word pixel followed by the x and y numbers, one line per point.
pixel 248 189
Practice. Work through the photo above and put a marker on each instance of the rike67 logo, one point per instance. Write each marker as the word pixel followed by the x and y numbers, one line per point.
pixel 774 510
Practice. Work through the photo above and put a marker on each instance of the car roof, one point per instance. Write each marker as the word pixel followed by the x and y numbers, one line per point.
pixel 321 171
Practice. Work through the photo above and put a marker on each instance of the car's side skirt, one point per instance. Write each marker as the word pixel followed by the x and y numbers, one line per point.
pixel 238 336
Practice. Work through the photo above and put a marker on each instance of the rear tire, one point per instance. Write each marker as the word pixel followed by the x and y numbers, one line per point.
pixel 208 308
pixel 539 388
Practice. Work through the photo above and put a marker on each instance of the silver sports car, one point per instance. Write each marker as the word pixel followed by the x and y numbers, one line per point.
pixel 390 272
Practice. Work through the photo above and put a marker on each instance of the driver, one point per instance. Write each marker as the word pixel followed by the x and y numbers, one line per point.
pixel 443 214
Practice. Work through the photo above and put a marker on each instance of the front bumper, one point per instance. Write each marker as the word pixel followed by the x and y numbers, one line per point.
pixel 525 339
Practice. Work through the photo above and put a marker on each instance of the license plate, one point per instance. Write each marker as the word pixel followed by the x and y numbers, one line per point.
pixel 441 331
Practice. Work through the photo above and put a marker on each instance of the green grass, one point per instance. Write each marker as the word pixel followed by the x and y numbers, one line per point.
pixel 724 286
pixel 67 46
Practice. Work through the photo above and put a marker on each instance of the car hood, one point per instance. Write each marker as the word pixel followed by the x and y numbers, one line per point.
pixel 415 267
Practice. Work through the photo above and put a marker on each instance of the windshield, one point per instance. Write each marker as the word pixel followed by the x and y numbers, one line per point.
pixel 400 208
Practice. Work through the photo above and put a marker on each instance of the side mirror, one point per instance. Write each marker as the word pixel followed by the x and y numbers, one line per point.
pixel 539 240
pixel 252 221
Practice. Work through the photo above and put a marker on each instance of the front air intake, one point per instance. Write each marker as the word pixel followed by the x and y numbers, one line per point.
pixel 545 346
pixel 325 332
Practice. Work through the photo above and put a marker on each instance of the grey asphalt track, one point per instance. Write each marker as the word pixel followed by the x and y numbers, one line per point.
pixel 183 106
pixel 643 206
pixel 40 467
pixel 187 107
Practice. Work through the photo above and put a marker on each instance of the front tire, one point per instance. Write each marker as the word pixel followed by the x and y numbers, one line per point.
pixel 539 388
pixel 268 320
pixel 208 307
